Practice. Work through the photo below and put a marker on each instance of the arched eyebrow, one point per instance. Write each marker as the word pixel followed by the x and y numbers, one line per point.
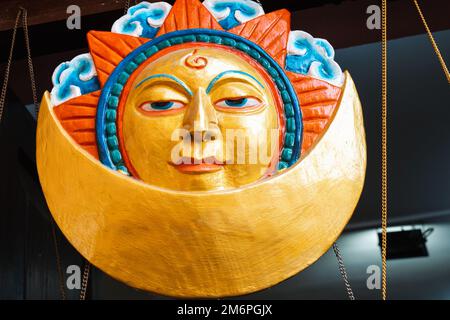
pixel 220 75
pixel 167 76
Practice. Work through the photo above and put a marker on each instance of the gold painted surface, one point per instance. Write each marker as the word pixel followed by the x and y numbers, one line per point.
pixel 150 137
pixel 205 244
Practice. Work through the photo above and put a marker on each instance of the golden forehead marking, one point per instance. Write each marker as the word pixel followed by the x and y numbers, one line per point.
pixel 195 61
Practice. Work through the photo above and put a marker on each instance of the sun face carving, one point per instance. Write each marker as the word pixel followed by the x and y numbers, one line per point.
pixel 168 144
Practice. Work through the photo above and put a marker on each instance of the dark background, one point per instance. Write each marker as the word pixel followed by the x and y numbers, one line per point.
pixel 419 150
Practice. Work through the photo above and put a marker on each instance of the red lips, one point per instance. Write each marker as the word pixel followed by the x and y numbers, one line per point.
pixel 191 165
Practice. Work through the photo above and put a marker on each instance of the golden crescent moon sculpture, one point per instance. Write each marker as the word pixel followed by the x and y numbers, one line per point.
pixel 200 229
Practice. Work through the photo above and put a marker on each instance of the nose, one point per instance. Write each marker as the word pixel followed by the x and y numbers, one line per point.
pixel 200 116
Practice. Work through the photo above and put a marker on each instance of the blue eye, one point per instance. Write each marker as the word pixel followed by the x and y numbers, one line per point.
pixel 161 105
pixel 238 103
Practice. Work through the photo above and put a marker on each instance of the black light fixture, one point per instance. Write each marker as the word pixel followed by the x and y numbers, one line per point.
pixel 406 243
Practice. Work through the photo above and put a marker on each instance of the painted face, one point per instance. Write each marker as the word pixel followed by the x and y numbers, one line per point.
pixel 201 119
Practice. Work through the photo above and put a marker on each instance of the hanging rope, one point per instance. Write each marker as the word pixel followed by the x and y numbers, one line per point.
pixel 343 271
pixel 384 155
pixel 433 42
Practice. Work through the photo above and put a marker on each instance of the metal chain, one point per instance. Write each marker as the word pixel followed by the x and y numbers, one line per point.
pixel 30 62
pixel 8 65
pixel 433 42
pixel 384 154
pixel 22 12
pixel 126 6
pixel 36 108
pixel 384 131
pixel 85 280
pixel 343 271
pixel 58 261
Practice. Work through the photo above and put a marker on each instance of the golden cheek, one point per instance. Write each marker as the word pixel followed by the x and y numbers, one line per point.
pixel 148 139
pixel 258 133
pixel 253 123
pixel 256 121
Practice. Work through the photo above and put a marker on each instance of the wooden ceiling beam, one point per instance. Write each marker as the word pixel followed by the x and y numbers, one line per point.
pixel 343 24
pixel 45 11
